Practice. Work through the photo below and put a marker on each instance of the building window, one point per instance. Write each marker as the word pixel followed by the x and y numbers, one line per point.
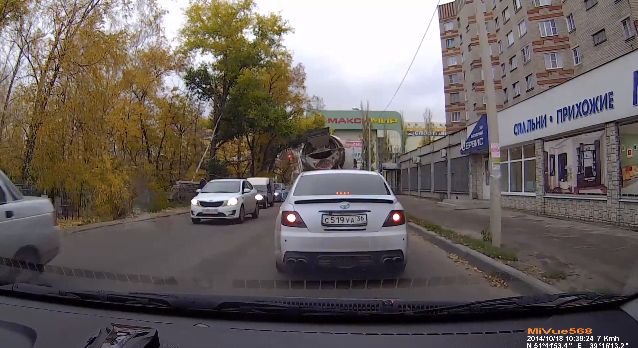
pixel 456 116
pixel 518 169
pixel 505 96
pixel 517 5
pixel 506 14
pixel 487 26
pixel 484 99
pixel 493 4
pixel 522 28
pixel 467 28
pixel 516 88
pixel 547 28
pixel 453 78
pixel 500 46
pixel 513 62
pixel 510 39
pixel 496 25
pixel 458 22
pixel 451 61
pixel 454 97
pixel 529 81
pixel 553 60
pixel 467 115
pixel 571 26
pixel 542 2
pixel 599 37
pixel 590 3
pixel 503 70
pixel 449 43
pixel 474 86
pixel 493 72
pixel 627 29
pixel 577 57
pixel 448 26
pixel 484 8
pixel 465 95
pixel 474 106
pixel 526 54
pixel 490 46
pixel 462 57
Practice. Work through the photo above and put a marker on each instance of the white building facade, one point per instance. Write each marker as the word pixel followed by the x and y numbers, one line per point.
pixel 570 151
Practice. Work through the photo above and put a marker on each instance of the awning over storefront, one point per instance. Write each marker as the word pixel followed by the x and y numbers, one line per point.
pixel 477 138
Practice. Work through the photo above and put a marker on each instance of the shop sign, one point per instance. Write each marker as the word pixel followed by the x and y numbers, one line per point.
pixel 477 137
pixel 424 133
pixel 358 120
pixel 586 107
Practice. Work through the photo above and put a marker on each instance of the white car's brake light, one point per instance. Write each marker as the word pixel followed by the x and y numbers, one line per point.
pixel 395 218
pixel 292 219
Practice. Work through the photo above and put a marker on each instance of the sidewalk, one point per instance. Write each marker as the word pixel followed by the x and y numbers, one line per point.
pixel 571 255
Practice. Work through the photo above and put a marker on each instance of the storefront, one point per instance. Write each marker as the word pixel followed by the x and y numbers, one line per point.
pixel 571 150
pixel 475 146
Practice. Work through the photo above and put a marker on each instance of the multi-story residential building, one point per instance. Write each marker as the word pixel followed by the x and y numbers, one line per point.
pixel 534 44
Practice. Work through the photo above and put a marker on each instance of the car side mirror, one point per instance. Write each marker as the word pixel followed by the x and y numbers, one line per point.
pixel 198 190
pixel 246 190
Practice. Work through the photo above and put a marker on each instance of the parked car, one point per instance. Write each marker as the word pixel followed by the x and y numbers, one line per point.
pixel 229 199
pixel 29 228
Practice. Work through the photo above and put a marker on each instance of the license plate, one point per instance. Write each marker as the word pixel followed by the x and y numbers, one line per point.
pixel 347 220
pixel 210 211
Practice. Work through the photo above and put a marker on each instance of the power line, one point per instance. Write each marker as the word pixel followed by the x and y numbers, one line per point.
pixel 413 58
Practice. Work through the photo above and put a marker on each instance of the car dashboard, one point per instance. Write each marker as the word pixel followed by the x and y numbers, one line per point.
pixel 26 323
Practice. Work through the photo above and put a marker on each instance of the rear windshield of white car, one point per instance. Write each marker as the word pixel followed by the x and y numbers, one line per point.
pixel 341 184
pixel 222 187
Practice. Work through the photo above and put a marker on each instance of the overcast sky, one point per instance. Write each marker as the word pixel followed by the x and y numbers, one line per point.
pixel 358 50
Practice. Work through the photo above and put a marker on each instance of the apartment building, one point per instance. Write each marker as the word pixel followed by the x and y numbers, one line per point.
pixel 534 44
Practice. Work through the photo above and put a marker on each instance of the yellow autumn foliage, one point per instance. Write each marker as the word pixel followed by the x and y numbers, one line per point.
pixel 85 110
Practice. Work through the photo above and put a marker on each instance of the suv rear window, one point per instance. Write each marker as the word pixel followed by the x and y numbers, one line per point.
pixel 333 184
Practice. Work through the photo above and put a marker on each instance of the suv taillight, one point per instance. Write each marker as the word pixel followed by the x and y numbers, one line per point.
pixel 395 218
pixel 291 219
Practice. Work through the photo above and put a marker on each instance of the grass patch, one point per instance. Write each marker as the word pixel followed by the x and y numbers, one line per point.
pixel 554 274
pixel 482 246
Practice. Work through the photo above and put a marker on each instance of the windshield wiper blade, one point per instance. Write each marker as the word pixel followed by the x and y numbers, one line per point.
pixel 525 303
pixel 185 302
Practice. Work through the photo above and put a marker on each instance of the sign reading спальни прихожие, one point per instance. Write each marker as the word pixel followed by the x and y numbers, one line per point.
pixel 602 95
pixel 584 108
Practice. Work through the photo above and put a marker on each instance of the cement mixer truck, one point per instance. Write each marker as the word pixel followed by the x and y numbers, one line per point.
pixel 323 150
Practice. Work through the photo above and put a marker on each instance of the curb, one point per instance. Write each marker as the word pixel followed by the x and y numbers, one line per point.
pixel 516 280
pixel 77 229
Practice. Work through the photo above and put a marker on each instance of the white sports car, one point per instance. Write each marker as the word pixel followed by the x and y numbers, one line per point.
pixel 341 219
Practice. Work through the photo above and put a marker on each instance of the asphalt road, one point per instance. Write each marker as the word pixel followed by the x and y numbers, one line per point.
pixel 171 254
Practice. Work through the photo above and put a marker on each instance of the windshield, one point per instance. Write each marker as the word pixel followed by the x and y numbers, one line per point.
pixel 222 187
pixel 130 132
pixel 333 184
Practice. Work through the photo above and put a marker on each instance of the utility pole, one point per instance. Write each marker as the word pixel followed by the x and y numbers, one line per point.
pixel 492 127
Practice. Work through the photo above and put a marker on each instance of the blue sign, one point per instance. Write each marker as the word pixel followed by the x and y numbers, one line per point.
pixel 477 139
pixel 584 108
pixel 636 88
